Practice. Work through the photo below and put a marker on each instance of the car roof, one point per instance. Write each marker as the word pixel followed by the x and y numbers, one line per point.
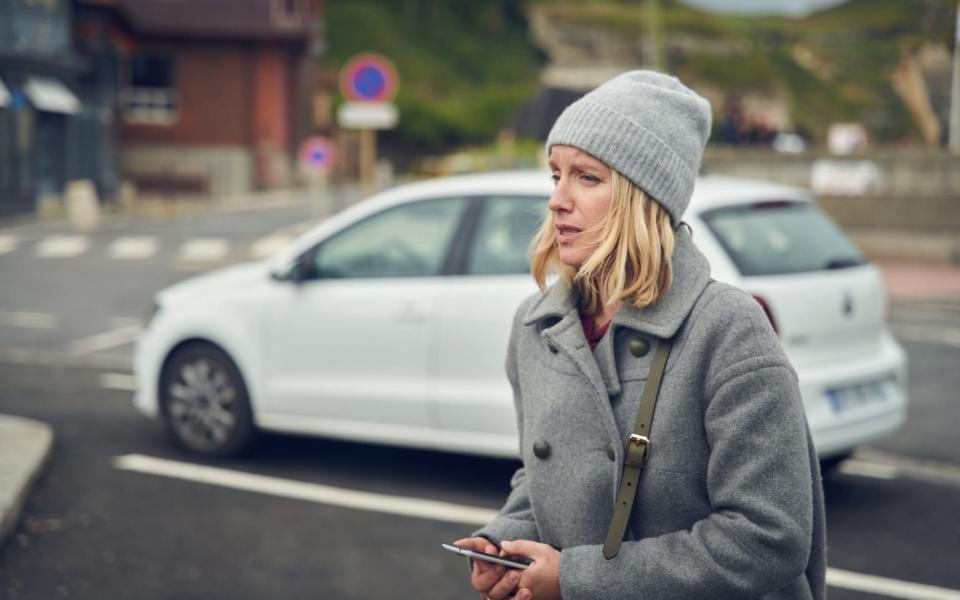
pixel 710 190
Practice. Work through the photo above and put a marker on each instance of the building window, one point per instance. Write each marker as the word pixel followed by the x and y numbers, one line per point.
pixel 150 96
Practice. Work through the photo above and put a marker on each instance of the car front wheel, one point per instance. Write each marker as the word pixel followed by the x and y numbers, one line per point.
pixel 204 401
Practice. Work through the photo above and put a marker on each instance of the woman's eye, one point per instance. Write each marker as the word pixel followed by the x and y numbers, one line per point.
pixel 590 178
pixel 555 179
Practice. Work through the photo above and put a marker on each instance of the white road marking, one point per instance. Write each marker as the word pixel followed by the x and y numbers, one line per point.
pixel 892 588
pixel 448 512
pixel 204 249
pixel 312 492
pixel 8 243
pixel 125 321
pixel 133 247
pixel 105 340
pixel 63 246
pixel 948 336
pixel 868 469
pixel 23 356
pixel 268 246
pixel 910 468
pixel 35 320
pixel 118 381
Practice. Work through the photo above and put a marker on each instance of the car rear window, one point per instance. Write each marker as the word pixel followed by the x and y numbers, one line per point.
pixel 780 237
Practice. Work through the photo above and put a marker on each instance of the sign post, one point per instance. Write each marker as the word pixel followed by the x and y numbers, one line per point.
pixel 316 161
pixel 369 83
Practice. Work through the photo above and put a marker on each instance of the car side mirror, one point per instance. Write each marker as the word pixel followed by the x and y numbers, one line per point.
pixel 295 272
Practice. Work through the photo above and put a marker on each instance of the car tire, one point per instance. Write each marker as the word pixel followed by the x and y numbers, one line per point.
pixel 204 401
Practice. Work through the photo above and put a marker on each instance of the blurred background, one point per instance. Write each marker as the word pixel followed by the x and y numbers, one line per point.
pixel 143 142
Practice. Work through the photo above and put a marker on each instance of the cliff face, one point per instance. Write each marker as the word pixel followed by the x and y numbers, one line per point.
pixel 879 62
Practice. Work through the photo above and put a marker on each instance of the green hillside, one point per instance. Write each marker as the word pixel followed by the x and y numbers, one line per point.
pixel 466 66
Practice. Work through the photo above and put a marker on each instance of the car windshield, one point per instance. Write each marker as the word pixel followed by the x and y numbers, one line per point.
pixel 780 237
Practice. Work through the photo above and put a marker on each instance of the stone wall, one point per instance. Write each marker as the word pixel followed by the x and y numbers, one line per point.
pixel 914 190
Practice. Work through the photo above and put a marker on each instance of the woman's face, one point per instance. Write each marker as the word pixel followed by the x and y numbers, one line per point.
pixel 580 201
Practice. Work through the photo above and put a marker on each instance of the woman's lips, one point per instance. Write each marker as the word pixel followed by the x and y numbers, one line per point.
pixel 566 234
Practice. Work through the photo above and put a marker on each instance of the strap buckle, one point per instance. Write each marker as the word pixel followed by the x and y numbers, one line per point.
pixel 638 450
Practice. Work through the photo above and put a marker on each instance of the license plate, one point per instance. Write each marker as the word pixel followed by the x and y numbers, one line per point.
pixel 857 396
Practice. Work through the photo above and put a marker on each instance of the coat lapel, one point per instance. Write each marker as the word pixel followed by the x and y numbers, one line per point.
pixel 691 274
pixel 559 302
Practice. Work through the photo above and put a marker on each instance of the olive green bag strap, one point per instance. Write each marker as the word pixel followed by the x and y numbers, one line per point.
pixel 637 453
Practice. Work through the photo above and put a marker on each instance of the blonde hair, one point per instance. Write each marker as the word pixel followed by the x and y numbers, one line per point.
pixel 630 263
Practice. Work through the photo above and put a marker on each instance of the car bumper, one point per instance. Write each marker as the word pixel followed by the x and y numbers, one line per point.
pixel 838 427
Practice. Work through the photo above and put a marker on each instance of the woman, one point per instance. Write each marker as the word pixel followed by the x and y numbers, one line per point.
pixel 728 503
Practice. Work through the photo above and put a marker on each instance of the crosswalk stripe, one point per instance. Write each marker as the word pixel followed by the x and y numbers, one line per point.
pixel 133 247
pixel 118 381
pixel 204 249
pixel 63 246
pixel 106 340
pixel 34 320
pixel 268 246
pixel 8 243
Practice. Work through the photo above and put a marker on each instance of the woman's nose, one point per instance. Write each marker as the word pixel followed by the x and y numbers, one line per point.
pixel 560 198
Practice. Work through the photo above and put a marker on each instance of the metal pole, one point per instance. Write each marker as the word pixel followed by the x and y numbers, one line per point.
pixel 368 156
pixel 653 47
pixel 954 137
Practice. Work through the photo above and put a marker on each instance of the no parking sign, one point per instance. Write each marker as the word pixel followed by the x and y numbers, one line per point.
pixel 316 155
pixel 369 77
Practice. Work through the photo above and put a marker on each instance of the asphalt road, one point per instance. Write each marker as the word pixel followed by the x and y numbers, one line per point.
pixel 93 529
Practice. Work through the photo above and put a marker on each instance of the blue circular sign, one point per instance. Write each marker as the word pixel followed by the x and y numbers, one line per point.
pixel 316 154
pixel 369 78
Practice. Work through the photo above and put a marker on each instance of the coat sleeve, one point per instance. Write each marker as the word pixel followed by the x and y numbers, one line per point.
pixel 515 521
pixel 758 482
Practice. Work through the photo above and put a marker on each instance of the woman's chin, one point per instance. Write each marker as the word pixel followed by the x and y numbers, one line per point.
pixel 571 259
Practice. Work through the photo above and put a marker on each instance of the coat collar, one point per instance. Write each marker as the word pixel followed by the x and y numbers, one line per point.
pixel 691 273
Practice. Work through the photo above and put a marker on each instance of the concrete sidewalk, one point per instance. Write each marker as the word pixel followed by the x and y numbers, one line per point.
pixel 24 449
pixel 921 281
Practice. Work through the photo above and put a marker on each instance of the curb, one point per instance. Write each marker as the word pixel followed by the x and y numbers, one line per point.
pixel 25 447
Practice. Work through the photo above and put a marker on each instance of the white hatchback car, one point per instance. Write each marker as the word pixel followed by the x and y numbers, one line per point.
pixel 388 322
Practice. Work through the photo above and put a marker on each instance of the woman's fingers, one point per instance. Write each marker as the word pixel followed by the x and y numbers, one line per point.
pixel 504 586
pixel 485 578
pixel 531 550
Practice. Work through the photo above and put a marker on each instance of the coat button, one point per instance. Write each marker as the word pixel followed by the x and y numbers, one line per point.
pixel 552 348
pixel 639 347
pixel 541 449
pixel 611 451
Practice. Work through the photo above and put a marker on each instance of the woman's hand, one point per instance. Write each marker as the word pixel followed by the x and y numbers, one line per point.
pixel 493 581
pixel 542 577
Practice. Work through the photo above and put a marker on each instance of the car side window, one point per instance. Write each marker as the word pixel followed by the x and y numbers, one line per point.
pixel 501 244
pixel 411 240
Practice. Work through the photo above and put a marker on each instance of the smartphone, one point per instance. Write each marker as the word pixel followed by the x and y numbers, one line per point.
pixel 514 562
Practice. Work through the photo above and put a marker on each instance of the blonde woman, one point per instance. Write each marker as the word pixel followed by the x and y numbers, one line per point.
pixel 718 494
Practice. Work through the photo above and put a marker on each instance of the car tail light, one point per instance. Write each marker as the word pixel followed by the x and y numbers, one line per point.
pixel 766 309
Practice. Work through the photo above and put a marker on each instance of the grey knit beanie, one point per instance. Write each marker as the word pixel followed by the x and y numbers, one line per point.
pixel 646 125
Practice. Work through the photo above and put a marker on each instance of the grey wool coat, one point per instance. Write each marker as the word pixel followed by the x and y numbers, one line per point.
pixel 730 502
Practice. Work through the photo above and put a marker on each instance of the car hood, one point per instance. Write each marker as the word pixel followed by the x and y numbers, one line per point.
pixel 209 286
